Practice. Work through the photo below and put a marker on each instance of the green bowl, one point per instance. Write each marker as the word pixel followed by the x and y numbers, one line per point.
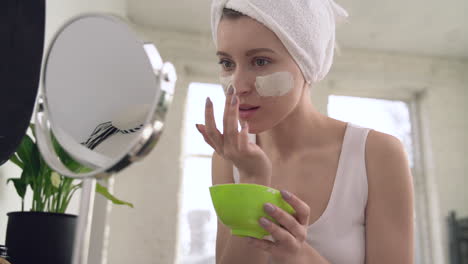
pixel 240 206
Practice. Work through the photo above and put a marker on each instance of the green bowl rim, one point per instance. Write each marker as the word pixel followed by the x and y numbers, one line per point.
pixel 242 184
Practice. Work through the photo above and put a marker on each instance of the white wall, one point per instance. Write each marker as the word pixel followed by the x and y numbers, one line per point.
pixel 9 199
pixel 446 105
pixel 57 13
pixel 60 11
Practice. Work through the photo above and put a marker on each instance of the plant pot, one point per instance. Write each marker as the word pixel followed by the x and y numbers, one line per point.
pixel 37 237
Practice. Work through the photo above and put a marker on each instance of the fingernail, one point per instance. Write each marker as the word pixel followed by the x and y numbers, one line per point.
pixel 269 208
pixel 208 102
pixel 286 194
pixel 264 221
pixel 231 90
pixel 234 100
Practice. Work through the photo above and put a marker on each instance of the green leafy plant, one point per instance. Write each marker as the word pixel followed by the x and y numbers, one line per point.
pixel 51 192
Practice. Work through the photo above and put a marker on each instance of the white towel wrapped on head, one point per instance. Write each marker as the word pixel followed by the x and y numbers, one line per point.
pixel 305 27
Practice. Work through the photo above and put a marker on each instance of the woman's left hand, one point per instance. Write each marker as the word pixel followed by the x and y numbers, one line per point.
pixel 290 244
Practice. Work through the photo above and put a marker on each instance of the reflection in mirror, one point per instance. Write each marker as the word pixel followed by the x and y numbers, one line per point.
pixel 101 88
pixel 86 106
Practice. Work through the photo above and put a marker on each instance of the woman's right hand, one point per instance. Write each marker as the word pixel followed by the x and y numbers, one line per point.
pixel 253 164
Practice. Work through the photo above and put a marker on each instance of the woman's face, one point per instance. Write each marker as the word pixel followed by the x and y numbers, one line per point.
pixel 247 49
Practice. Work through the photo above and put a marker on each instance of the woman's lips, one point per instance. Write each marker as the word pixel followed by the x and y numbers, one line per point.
pixel 245 114
pixel 247 106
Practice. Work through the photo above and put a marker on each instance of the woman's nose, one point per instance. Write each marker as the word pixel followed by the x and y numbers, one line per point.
pixel 244 83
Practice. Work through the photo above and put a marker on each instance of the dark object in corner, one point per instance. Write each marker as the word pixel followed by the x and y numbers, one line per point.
pixel 3 253
pixel 22 26
pixel 458 239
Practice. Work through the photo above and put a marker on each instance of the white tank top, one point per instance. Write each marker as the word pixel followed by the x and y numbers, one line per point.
pixel 339 233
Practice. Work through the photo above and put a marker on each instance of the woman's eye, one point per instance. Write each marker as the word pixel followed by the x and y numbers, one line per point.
pixel 226 64
pixel 261 62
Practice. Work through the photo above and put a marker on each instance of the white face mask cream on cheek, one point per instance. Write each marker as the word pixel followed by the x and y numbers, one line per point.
pixel 276 84
pixel 225 82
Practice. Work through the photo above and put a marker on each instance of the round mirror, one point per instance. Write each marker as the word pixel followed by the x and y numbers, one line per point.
pixel 104 97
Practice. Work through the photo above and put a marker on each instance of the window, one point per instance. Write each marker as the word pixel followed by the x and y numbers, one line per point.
pixel 387 116
pixel 197 221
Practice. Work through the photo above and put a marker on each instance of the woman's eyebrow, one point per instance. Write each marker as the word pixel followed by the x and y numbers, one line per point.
pixel 222 53
pixel 247 54
pixel 253 51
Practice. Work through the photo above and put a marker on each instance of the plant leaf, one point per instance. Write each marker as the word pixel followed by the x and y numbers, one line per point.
pixel 27 176
pixel 14 158
pixel 20 186
pixel 24 149
pixel 105 192
pixel 28 153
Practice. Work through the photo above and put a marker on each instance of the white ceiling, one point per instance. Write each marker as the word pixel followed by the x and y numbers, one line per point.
pixel 420 27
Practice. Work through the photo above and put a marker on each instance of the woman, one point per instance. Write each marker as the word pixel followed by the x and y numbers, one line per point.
pixel 350 186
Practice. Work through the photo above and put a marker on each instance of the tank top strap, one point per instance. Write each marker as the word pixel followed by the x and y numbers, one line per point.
pixel 350 190
pixel 339 234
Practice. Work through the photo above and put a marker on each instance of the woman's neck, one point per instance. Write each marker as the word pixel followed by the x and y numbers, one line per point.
pixel 302 129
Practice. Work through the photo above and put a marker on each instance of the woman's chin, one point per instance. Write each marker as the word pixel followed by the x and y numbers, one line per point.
pixel 253 129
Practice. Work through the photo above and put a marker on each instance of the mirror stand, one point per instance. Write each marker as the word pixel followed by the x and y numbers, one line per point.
pixel 85 217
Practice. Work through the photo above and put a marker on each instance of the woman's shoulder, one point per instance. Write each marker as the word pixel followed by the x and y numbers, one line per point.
pixel 389 209
pixel 378 142
pixel 381 145
pixel 386 162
